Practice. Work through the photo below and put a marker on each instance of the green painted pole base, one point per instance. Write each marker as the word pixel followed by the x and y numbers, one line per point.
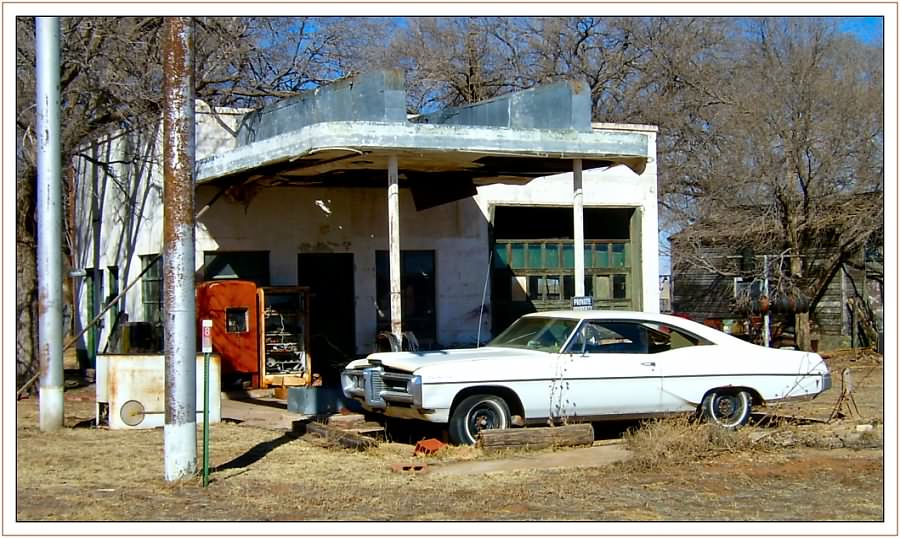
pixel 205 419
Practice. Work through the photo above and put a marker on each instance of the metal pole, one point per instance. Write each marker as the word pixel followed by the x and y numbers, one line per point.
pixel 578 225
pixel 180 430
pixel 205 419
pixel 49 218
pixel 394 247
pixel 766 293
pixel 206 347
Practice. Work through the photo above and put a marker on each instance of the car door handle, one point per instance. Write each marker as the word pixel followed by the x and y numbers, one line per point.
pixel 648 364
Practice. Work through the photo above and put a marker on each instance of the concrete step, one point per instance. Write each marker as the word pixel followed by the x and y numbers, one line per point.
pixel 355 423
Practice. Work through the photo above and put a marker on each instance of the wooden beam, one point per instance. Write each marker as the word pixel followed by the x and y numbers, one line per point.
pixel 337 436
pixel 536 438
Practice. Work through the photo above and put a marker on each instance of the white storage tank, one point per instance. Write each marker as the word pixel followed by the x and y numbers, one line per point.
pixel 131 390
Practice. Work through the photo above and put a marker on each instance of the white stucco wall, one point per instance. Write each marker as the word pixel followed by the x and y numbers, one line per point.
pixel 288 221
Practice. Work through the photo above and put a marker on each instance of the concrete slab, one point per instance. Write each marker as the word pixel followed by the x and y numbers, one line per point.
pixel 265 413
pixel 593 456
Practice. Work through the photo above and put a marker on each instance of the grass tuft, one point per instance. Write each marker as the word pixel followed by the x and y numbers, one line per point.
pixel 683 439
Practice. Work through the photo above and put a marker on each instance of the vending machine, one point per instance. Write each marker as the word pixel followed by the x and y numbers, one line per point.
pixel 260 333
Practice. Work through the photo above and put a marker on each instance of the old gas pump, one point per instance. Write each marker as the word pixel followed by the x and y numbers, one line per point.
pixel 260 332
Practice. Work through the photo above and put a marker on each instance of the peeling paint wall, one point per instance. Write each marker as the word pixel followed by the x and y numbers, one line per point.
pixel 289 221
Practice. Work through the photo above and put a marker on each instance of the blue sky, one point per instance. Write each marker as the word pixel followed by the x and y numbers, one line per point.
pixel 868 29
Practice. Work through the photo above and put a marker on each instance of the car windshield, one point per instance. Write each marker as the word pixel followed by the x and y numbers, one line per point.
pixel 543 334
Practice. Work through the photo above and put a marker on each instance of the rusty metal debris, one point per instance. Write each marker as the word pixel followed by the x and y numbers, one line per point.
pixel 846 400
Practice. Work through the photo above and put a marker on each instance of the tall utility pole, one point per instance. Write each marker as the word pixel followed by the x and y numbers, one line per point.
pixel 49 219
pixel 180 430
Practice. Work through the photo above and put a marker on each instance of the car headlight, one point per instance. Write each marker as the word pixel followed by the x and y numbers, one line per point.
pixel 414 388
pixel 347 384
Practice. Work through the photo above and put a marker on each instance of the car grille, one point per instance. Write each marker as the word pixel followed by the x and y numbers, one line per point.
pixel 379 388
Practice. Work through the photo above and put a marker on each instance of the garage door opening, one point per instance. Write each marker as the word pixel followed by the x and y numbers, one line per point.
pixel 534 260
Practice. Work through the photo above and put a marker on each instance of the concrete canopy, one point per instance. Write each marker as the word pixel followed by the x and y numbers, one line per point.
pixel 344 134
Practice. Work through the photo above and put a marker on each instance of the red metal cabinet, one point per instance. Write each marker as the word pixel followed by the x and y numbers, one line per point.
pixel 260 331
pixel 232 307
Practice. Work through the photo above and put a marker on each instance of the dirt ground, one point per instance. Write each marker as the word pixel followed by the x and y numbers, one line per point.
pixel 793 470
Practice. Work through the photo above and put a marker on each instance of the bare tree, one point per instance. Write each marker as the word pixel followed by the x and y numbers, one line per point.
pixel 451 61
pixel 110 81
pixel 799 166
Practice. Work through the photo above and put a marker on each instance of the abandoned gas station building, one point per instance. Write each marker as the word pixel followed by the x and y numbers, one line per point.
pixel 481 208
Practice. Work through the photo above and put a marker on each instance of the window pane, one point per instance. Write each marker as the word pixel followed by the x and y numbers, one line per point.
pixel 151 288
pixel 535 287
pixel 601 287
pixel 551 255
pixel 568 256
pixel 534 256
pixel 568 286
pixel 236 320
pixel 501 258
pixel 553 287
pixel 517 260
pixel 615 337
pixel 588 256
pixel 620 289
pixel 602 255
pixel 618 255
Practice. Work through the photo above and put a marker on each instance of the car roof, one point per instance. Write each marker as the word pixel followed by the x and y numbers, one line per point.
pixel 699 329
pixel 601 314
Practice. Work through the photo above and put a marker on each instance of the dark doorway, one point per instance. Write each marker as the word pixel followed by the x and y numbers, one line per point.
pixel 417 282
pixel 332 311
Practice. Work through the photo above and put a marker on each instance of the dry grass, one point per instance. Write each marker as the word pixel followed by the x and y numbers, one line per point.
pixel 679 440
pixel 680 471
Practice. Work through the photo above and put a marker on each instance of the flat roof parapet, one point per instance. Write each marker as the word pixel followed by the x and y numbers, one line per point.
pixel 564 105
pixel 378 96
pixel 347 132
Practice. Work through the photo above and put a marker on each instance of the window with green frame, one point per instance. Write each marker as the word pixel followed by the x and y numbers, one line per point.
pixel 152 288
pixel 560 254
pixel 546 270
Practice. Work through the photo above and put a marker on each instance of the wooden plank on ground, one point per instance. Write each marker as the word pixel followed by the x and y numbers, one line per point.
pixel 535 438
pixel 341 437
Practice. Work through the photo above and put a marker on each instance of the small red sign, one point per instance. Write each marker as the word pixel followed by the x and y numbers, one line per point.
pixel 206 336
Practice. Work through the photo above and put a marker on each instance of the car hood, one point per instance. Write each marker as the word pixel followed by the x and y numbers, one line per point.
pixel 410 362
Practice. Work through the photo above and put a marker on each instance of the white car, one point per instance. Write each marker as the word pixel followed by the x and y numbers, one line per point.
pixel 584 366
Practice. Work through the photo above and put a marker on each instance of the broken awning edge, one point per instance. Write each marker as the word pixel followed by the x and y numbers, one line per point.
pixel 619 147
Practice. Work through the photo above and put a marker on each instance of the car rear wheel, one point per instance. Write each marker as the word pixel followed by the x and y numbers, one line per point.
pixel 727 408
pixel 476 413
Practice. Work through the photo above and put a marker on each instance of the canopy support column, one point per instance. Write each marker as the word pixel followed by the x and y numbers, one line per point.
pixel 394 246
pixel 578 225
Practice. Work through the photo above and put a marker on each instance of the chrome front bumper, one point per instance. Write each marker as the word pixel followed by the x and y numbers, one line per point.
pixel 378 389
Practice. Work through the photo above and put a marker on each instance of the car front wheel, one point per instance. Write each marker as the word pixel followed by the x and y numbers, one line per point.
pixel 476 413
pixel 727 408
